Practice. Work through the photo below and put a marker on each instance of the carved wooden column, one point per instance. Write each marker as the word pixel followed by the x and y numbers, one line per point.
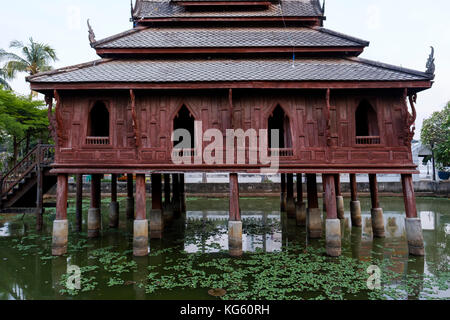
pixel 300 206
pixel 290 204
pixel 376 212
pixel 79 203
pixel 339 197
pixel 140 230
pixel 235 223
pixel 94 213
pixel 413 224
pixel 61 225
pixel 333 224
pixel 130 197
pixel 283 193
pixel 355 204
pixel 114 205
pixel 156 214
pixel 314 219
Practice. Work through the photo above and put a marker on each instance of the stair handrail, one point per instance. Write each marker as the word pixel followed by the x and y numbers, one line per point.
pixel 36 157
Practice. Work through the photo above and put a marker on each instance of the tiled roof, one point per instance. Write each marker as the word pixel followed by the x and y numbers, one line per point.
pixel 163 71
pixel 169 9
pixel 228 37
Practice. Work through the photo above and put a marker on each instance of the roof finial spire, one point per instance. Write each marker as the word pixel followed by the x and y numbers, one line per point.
pixel 91 33
pixel 323 8
pixel 430 63
pixel 132 8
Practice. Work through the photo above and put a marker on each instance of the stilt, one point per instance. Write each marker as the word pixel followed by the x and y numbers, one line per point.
pixel 300 206
pixel 140 230
pixel 114 205
pixel 176 202
pixel 333 224
pixel 79 203
pixel 94 214
pixel 156 214
pixel 61 225
pixel 339 197
pixel 283 193
pixel 314 218
pixel 167 208
pixel 130 197
pixel 376 212
pixel 290 204
pixel 235 223
pixel 413 224
pixel 39 199
pixel 355 205
pixel 182 194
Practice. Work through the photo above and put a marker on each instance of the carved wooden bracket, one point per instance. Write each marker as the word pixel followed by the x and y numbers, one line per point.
pixel 59 120
pixel 409 127
pixel 137 138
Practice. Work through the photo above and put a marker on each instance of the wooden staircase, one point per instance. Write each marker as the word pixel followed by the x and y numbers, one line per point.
pixel 23 187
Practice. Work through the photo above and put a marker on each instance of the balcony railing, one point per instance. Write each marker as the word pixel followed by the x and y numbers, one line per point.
pixel 369 140
pixel 184 152
pixel 284 152
pixel 96 141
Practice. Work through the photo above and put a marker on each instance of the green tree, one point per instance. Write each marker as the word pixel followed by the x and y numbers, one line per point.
pixel 436 134
pixel 3 80
pixel 36 57
pixel 21 119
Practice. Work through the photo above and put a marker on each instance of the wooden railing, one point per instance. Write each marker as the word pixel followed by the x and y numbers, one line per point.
pixel 184 152
pixel 282 153
pixel 95 141
pixel 369 140
pixel 40 155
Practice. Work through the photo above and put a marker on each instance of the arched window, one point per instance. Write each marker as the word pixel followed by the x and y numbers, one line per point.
pixel 366 124
pixel 185 120
pixel 279 120
pixel 98 127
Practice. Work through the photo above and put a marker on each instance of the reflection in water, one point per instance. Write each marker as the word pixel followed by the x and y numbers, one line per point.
pixel 204 229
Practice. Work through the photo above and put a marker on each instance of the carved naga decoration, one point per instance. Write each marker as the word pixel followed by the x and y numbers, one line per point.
pixel 410 119
pixel 137 138
pixel 59 121
pixel 431 68
pixel 91 33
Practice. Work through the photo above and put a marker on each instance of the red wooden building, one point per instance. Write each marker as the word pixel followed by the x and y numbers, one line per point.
pixel 236 64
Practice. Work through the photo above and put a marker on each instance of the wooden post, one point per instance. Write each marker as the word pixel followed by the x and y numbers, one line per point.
pixel 376 212
pixel 300 207
pixel 413 224
pixel 94 213
pixel 234 223
pixel 61 225
pixel 114 205
pixel 283 193
pixel 182 193
pixel 355 205
pixel 140 230
pixel 79 203
pixel 156 214
pixel 130 197
pixel 290 204
pixel 166 190
pixel 339 198
pixel 333 224
pixel 39 198
pixel 314 218
pixel 176 195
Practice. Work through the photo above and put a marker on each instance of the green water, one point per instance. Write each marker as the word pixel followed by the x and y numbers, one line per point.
pixel 279 262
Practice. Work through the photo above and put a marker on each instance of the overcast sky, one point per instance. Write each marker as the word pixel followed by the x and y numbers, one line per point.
pixel 400 32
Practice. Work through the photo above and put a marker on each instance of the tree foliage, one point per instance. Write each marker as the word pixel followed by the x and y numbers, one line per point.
pixel 436 133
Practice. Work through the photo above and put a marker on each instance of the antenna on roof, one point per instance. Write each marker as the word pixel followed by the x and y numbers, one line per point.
pixel 431 67
pixel 91 33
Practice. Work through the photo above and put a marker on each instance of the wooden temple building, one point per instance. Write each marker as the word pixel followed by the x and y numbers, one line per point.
pixel 235 64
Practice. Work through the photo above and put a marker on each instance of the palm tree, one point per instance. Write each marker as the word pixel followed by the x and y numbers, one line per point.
pixel 3 80
pixel 36 58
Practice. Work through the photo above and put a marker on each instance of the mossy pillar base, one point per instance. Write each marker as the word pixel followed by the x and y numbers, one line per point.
pixel 94 222
pixel 333 237
pixel 140 238
pixel 235 238
pixel 60 237
pixel 415 236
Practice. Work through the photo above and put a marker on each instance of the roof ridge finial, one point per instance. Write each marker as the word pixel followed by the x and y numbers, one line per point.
pixel 91 33
pixel 431 67
pixel 323 8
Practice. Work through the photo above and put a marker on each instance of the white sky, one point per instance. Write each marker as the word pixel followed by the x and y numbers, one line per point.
pixel 400 33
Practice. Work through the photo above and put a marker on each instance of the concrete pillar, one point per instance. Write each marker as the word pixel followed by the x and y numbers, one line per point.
pixel 300 206
pixel 79 203
pixel 339 197
pixel 156 214
pixel 235 223
pixel 130 197
pixel 61 225
pixel 376 212
pixel 355 204
pixel 140 230
pixel 114 205
pixel 94 213
pixel 333 224
pixel 413 224
pixel 283 193
pixel 314 217
pixel 290 203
